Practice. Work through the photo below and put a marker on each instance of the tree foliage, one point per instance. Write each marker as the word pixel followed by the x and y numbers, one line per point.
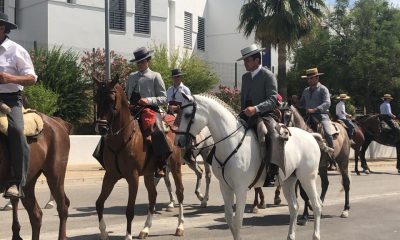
pixel 41 99
pixel 60 72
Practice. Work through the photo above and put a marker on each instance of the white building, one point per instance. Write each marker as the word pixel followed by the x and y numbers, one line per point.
pixel 207 28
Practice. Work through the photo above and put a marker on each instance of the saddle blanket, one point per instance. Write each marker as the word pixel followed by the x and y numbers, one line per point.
pixel 33 123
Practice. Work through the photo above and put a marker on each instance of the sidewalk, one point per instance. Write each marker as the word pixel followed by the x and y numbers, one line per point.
pixel 92 172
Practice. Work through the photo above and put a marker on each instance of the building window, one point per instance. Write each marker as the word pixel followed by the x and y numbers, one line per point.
pixel 142 16
pixel 201 34
pixel 187 31
pixel 71 1
pixel 117 15
pixel 2 6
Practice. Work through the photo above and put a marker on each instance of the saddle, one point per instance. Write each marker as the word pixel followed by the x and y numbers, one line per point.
pixel 315 125
pixel 33 123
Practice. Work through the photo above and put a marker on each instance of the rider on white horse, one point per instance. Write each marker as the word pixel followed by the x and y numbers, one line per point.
pixel 258 100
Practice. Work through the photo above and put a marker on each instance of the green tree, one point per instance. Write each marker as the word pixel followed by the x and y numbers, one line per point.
pixel 281 23
pixel 41 99
pixel 60 72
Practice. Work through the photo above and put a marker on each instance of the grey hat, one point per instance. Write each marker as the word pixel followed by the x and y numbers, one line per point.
pixel 176 72
pixel 4 21
pixel 141 54
pixel 252 49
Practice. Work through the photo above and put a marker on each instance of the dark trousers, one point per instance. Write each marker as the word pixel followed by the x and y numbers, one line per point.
pixel 350 127
pixel 18 147
pixel 389 121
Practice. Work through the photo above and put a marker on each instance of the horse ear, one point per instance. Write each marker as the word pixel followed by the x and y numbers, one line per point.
pixel 96 80
pixel 187 97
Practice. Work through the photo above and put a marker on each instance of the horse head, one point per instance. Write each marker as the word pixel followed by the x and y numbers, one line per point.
pixel 189 121
pixel 108 99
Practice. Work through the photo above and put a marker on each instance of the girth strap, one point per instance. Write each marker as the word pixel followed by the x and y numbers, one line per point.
pixel 223 164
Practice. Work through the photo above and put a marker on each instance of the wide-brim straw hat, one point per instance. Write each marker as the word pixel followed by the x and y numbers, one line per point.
pixel 4 21
pixel 176 72
pixel 141 54
pixel 248 51
pixel 343 96
pixel 312 72
pixel 387 96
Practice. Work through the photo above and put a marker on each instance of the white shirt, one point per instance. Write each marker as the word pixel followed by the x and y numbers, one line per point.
pixel 175 94
pixel 385 108
pixel 15 60
pixel 341 110
pixel 253 73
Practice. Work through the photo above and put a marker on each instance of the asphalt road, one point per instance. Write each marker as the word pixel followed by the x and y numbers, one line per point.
pixel 374 213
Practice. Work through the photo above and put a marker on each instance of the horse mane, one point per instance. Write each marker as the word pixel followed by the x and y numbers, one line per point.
pixel 297 115
pixel 218 100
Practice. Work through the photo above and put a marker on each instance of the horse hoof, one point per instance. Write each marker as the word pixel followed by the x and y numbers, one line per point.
pixel 16 238
pixel 49 205
pixel 169 209
pixel 254 210
pixel 262 206
pixel 203 204
pixel 104 237
pixel 143 235
pixel 179 232
pixel 358 173
pixel 345 214
pixel 366 171
pixel 277 201
pixel 7 207
pixel 302 222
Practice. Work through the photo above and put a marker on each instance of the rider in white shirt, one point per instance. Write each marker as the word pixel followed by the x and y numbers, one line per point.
pixel 343 115
pixel 386 114
pixel 174 93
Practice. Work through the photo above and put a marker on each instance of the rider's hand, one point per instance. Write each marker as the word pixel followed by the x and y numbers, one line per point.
pixel 173 108
pixel 143 102
pixel 5 78
pixel 311 110
pixel 250 111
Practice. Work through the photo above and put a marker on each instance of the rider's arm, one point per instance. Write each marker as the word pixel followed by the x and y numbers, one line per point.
pixel 271 91
pixel 161 96
pixel 326 101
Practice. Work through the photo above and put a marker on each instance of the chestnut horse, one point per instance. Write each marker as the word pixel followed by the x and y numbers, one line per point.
pixel 371 127
pixel 48 155
pixel 126 156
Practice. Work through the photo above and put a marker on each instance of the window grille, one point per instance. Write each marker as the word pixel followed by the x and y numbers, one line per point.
pixel 117 15
pixel 187 31
pixel 142 16
pixel 2 6
pixel 71 1
pixel 201 34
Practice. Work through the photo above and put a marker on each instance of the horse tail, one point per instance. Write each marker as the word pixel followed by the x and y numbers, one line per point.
pixel 66 125
pixel 321 143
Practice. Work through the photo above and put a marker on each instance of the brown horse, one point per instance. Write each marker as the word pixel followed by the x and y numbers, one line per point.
pixel 359 139
pixel 126 156
pixel 371 127
pixel 48 155
pixel 340 156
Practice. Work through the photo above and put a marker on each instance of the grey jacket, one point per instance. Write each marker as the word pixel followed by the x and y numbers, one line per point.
pixel 149 84
pixel 318 98
pixel 262 90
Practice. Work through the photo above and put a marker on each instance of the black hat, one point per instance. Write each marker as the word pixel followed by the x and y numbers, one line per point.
pixel 4 21
pixel 141 54
pixel 176 72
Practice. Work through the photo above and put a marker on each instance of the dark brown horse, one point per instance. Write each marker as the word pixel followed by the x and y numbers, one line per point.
pixel 126 156
pixel 371 127
pixel 340 156
pixel 48 155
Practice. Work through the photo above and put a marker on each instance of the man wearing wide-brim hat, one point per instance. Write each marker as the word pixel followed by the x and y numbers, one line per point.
pixel 386 114
pixel 316 100
pixel 258 99
pixel 174 92
pixel 146 93
pixel 16 72
pixel 343 115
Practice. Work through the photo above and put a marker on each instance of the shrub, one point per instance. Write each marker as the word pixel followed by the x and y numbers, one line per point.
pixel 42 99
pixel 231 96
pixel 59 71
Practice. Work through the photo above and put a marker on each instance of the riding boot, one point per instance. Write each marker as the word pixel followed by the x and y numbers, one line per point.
pixel 272 172
pixel 161 150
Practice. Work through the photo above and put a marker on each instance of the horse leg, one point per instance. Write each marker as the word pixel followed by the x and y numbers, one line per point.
pixel 227 195
pixel 290 194
pixel 323 174
pixel 172 200
pixel 398 157
pixel 177 175
pixel 304 218
pixel 346 185
pixel 364 148
pixel 16 227
pixel 32 207
pixel 239 211
pixel 356 157
pixel 133 184
pixel 152 195
pixel 309 185
pixel 262 200
pixel 109 181
pixel 50 203
pixel 255 203
pixel 208 181
pixel 199 174
pixel 56 185
pixel 277 199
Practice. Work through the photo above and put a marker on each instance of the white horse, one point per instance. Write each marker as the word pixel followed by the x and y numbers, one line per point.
pixel 203 147
pixel 237 171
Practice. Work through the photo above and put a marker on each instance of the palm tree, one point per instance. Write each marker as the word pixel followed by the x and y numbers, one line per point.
pixel 280 23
